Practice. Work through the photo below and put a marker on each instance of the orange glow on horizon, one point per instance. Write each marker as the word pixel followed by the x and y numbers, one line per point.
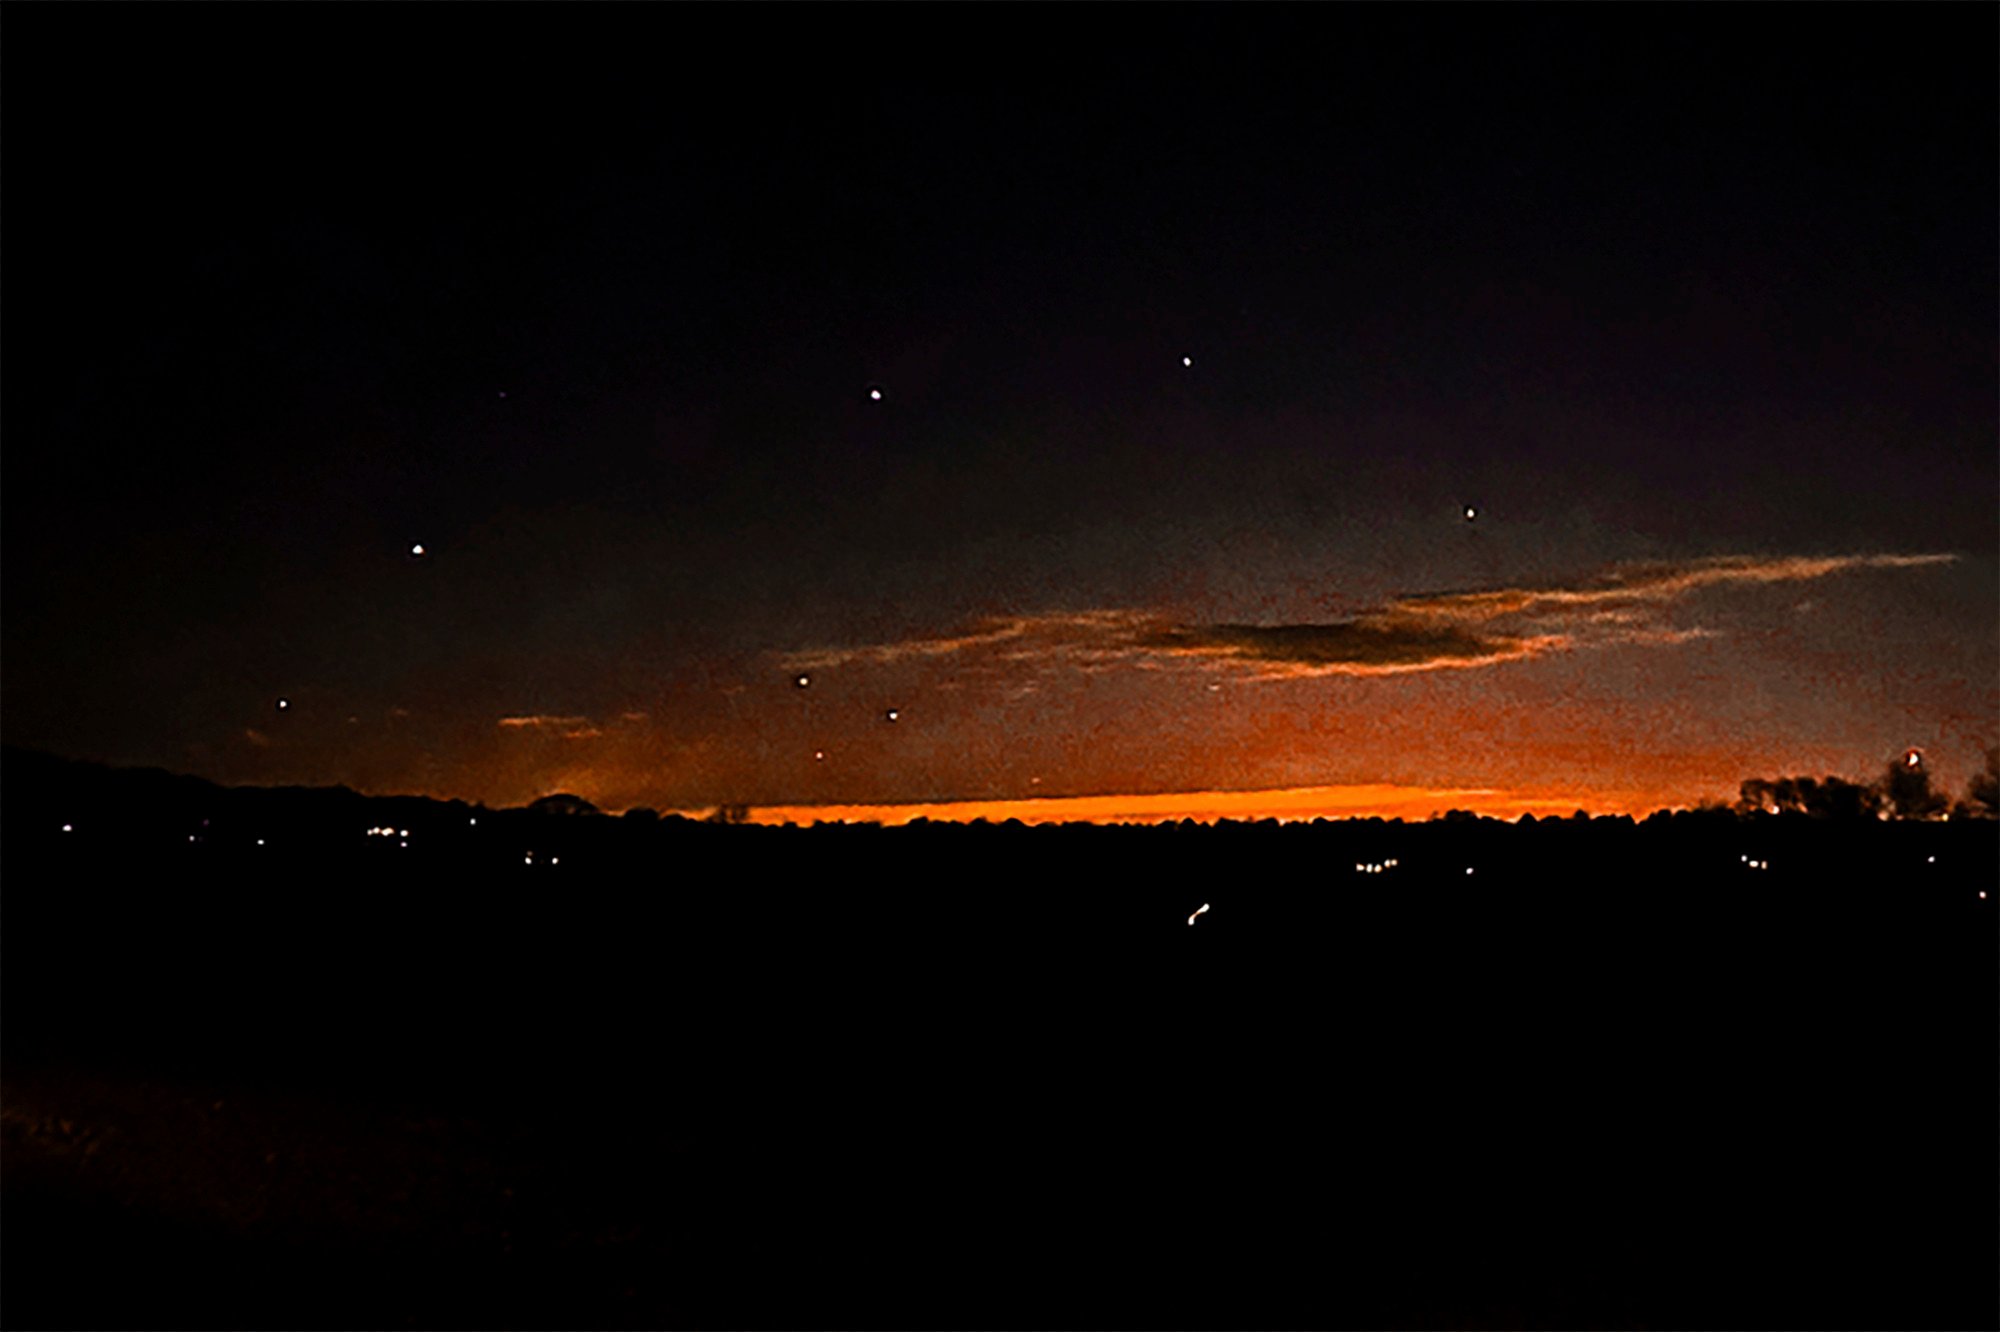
pixel 1286 805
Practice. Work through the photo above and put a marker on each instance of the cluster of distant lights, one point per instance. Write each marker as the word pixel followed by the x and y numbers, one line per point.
pixel 1376 866
pixel 529 858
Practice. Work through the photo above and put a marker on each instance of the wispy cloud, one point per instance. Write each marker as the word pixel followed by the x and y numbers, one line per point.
pixel 569 728
pixel 1421 632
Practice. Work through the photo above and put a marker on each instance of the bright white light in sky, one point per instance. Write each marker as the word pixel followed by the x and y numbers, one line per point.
pixel 1187 360
pixel 874 395
pixel 1198 910
pixel 802 681
pixel 894 713
pixel 284 703
pixel 1470 513
pixel 68 828
pixel 417 550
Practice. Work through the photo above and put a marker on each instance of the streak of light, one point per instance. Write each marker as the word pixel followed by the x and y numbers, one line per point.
pixel 1198 910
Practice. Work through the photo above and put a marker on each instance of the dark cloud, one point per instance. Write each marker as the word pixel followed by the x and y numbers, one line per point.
pixel 1427 632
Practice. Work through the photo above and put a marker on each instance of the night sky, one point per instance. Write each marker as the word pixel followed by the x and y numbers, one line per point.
pixel 1374 409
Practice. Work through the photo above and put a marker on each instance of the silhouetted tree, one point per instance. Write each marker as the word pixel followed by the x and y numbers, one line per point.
pixel 562 803
pixel 1982 793
pixel 1906 786
pixel 1820 798
pixel 730 814
pixel 642 814
pixel 1835 798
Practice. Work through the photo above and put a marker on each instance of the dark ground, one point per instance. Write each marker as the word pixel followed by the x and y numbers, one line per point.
pixel 940 1077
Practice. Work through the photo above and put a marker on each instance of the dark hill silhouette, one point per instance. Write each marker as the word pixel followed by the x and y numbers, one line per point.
pixel 1704 1069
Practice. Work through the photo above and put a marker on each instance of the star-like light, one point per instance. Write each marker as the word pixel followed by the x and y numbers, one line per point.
pixel 802 681
pixel 1470 513
pixel 284 703
pixel 417 551
pixel 874 395
pixel 1187 360
pixel 892 714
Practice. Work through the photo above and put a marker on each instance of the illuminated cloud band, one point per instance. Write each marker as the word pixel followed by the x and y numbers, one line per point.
pixel 1436 631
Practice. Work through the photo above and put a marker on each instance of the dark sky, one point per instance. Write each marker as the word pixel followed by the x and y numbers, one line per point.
pixel 1694 306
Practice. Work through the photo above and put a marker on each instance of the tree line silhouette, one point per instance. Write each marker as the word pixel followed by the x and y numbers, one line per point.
pixel 1903 791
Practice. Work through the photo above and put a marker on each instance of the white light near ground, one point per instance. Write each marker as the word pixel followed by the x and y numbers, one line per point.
pixel 555 860
pixel 260 841
pixel 473 822
pixel 1930 860
pixel 1198 910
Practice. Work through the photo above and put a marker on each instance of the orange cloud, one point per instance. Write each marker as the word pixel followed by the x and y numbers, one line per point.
pixel 1436 631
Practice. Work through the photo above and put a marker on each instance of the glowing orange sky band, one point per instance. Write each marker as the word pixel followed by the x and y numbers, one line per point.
pixel 1285 804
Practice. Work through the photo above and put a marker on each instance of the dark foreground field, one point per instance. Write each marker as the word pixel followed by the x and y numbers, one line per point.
pixel 742 1077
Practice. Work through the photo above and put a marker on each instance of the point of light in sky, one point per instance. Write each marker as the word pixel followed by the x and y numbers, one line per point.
pixel 417 550
pixel 68 828
pixel 893 714
pixel 1187 360
pixel 284 703
pixel 1470 513
pixel 874 395
pixel 1198 910
pixel 819 754
pixel 1912 759
pixel 1468 869
pixel 802 681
